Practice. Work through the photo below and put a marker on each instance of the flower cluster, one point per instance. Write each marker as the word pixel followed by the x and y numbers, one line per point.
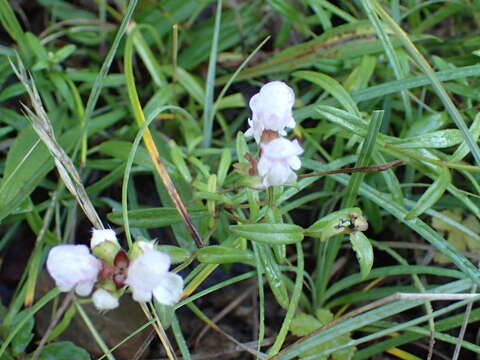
pixel 271 114
pixel 110 269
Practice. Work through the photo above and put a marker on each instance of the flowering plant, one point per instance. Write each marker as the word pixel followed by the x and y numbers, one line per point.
pixel 271 114
pixel 110 269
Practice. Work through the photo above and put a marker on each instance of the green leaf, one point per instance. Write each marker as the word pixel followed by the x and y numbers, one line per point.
pixel 120 150
pixel 370 317
pixel 432 195
pixel 6 356
pixel 178 160
pixel 63 350
pixel 274 275
pixel 427 124
pixel 269 233
pixel 24 335
pixel 208 109
pixel 363 249
pixel 463 149
pixel 434 80
pixel 154 217
pixel 366 150
pixel 63 324
pixel 434 140
pixel 242 147
pixel 332 86
pixel 223 166
pixel 64 53
pixel 27 163
pixel 177 254
pixel 324 315
pixel 360 76
pixel 217 254
pixel 304 324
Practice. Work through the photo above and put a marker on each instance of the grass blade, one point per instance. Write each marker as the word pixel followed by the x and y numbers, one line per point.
pixel 208 111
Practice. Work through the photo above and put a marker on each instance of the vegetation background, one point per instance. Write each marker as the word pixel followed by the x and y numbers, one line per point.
pixel 267 275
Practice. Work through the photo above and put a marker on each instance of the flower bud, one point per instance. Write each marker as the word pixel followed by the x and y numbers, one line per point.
pixel 102 235
pixel 271 110
pixel 104 244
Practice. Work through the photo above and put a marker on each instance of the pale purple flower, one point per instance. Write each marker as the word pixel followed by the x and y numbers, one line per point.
pixel 148 275
pixel 73 267
pixel 277 161
pixel 104 300
pixel 271 109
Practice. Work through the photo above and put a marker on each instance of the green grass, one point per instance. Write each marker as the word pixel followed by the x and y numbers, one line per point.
pixel 130 115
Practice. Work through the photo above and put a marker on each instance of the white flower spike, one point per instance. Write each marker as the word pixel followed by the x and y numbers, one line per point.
pixel 104 300
pixel 148 275
pixel 100 236
pixel 277 161
pixel 271 110
pixel 72 266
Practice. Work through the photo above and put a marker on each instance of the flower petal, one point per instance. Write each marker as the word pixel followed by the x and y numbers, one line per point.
pixel 104 300
pixel 84 288
pixel 277 160
pixel 170 289
pixel 72 266
pixel 294 162
pixel 263 165
pixel 146 272
pixel 141 295
pixel 271 109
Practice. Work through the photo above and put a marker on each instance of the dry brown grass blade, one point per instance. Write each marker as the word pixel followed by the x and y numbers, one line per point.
pixel 172 191
pixel 150 144
pixel 42 126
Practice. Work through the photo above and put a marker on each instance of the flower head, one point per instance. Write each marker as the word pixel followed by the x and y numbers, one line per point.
pixel 72 266
pixel 104 300
pixel 271 109
pixel 277 161
pixel 148 274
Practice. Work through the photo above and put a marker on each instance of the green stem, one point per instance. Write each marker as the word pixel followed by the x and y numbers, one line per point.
pixel 292 308
pixel 94 331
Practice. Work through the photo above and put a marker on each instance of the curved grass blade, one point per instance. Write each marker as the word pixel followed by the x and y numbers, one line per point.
pixel 208 110
pixel 437 86
pixel 150 144
pixel 332 86
pixel 432 195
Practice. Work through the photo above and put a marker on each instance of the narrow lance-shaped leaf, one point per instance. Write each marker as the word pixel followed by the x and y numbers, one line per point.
pixel 153 217
pixel 431 196
pixel 269 233
pixel 273 274
pixel 332 86
pixel 434 140
pixel 217 254
pixel 363 249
